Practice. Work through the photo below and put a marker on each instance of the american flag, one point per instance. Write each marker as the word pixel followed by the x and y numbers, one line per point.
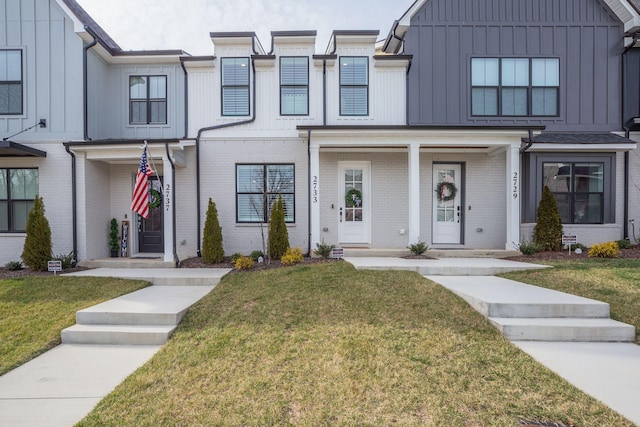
pixel 140 199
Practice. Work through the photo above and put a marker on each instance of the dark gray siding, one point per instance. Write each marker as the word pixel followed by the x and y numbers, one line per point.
pixel 583 34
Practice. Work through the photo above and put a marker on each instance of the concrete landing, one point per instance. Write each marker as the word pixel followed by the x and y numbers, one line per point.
pixel 162 276
pixel 443 267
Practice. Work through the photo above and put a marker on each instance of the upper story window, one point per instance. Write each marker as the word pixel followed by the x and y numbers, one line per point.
pixel 294 86
pixel 258 187
pixel 18 190
pixel 235 86
pixel 147 100
pixel 515 86
pixel 10 82
pixel 354 86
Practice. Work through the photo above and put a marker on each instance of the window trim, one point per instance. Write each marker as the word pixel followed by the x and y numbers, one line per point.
pixel 534 175
pixel 10 221
pixel 223 86
pixel 282 86
pixel 14 82
pixel 352 86
pixel 148 100
pixel 500 87
pixel 265 192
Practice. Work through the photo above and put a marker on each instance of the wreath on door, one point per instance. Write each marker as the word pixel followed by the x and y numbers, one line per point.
pixel 446 191
pixel 154 199
pixel 353 198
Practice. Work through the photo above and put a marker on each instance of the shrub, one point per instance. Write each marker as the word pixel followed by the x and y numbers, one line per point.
pixel 255 255
pixel 278 235
pixel 324 250
pixel 236 256
pixel 418 248
pixel 37 244
pixel 604 250
pixel 13 266
pixel 580 246
pixel 114 244
pixel 292 256
pixel 212 250
pixel 68 260
pixel 624 244
pixel 244 263
pixel 548 230
pixel 529 248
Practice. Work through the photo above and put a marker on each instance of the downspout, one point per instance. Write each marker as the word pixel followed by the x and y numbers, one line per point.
pixel 186 98
pixel 74 203
pixel 528 142
pixel 85 82
pixel 176 260
pixel 209 128
pixel 625 218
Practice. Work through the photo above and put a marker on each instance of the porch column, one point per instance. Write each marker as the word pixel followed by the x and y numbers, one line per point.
pixel 414 193
pixel 314 195
pixel 167 208
pixel 513 197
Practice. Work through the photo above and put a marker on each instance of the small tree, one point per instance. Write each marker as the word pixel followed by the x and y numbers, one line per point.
pixel 212 250
pixel 548 230
pixel 37 245
pixel 278 235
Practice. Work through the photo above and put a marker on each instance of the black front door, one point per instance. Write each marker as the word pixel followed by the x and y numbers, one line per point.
pixel 150 230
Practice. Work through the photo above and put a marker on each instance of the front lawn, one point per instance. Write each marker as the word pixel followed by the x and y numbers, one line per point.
pixel 615 281
pixel 34 310
pixel 330 345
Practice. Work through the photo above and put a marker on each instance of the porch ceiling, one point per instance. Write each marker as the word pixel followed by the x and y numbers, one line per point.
pixel 129 152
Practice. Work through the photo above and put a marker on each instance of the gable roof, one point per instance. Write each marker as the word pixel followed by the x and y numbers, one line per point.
pixel 87 21
pixel 627 11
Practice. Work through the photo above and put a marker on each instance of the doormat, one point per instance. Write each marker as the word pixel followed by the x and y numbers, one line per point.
pixel 527 423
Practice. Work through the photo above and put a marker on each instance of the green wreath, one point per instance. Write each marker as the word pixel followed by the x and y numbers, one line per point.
pixel 446 191
pixel 353 198
pixel 155 199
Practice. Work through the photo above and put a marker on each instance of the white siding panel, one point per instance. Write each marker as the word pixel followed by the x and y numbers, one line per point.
pixel 204 99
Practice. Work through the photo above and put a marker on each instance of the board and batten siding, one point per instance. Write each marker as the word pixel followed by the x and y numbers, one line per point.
pixel 586 37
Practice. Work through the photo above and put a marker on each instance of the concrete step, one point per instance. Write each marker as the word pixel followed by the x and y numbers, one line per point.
pixel 153 262
pixel 571 330
pixel 162 277
pixel 431 252
pixel 498 297
pixel 117 334
pixel 155 305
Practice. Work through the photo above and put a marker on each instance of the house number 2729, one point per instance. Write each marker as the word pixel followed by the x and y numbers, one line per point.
pixel 515 185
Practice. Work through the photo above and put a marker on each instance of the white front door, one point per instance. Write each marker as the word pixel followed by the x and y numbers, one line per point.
pixel 354 202
pixel 447 211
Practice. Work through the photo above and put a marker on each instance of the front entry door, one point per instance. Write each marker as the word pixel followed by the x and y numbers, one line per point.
pixel 354 203
pixel 150 230
pixel 447 209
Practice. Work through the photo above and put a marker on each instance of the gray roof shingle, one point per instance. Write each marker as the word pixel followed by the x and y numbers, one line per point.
pixel 580 138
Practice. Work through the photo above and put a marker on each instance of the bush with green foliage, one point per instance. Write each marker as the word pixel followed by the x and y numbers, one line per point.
pixel 418 248
pixel 68 260
pixel 278 234
pixel 235 256
pixel 529 248
pixel 244 263
pixel 547 232
pixel 604 250
pixel 13 266
pixel 580 246
pixel 212 251
pixel 624 244
pixel 255 255
pixel 114 243
pixel 292 256
pixel 324 250
pixel 37 245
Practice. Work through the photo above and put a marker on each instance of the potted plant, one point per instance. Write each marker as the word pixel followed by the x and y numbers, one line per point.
pixel 113 238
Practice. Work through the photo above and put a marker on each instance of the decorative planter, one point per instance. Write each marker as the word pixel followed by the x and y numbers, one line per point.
pixel 114 253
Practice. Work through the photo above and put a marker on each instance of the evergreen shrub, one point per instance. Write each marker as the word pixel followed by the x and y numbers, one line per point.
pixel 212 251
pixel 37 245
pixel 547 232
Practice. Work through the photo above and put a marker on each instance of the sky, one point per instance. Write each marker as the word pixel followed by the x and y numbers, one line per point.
pixel 186 24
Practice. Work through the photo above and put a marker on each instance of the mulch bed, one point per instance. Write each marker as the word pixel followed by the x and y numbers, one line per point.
pixel 197 263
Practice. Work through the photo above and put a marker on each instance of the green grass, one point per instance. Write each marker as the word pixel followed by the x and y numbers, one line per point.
pixel 34 310
pixel 329 345
pixel 615 281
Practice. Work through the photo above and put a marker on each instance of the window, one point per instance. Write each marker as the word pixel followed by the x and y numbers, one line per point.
pixel 258 187
pixel 18 190
pixel 294 86
pixel 578 189
pixel 515 86
pixel 235 86
pixel 147 100
pixel 354 86
pixel 10 82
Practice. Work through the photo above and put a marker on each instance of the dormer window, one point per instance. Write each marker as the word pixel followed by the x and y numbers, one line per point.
pixel 354 86
pixel 235 86
pixel 147 100
pixel 294 86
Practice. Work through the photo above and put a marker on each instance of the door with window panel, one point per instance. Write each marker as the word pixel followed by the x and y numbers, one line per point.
pixel 355 203
pixel 447 220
